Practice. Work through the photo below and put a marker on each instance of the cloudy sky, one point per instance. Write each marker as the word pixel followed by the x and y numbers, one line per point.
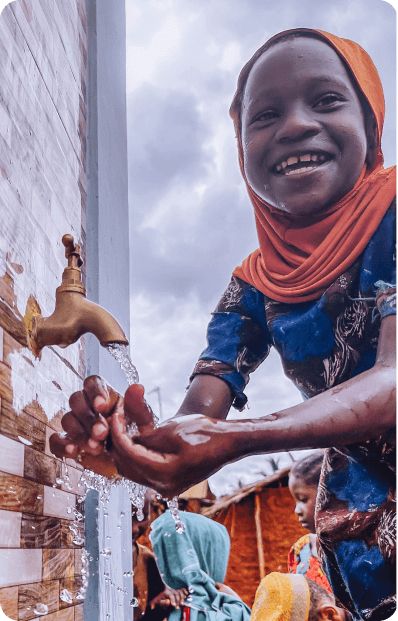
pixel 191 220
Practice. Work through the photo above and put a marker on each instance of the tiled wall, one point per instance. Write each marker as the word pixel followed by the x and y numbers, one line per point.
pixel 43 47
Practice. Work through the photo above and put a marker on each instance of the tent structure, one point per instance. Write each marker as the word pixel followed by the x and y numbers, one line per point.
pixel 261 523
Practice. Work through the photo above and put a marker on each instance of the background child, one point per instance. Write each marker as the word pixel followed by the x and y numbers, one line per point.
pixel 196 560
pixel 283 597
pixel 303 484
pixel 155 599
pixel 308 115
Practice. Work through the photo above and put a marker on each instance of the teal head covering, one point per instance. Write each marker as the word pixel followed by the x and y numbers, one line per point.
pixel 196 559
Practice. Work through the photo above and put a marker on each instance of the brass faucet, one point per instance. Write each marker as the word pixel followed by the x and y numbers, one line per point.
pixel 74 315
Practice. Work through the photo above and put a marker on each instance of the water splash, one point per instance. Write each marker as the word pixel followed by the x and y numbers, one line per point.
pixel 66 596
pixel 40 609
pixel 173 507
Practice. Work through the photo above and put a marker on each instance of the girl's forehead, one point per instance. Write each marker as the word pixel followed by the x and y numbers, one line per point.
pixel 296 59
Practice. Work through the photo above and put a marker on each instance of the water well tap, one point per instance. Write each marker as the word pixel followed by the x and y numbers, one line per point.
pixel 74 315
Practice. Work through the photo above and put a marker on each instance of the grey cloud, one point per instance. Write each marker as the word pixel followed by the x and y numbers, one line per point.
pixel 165 137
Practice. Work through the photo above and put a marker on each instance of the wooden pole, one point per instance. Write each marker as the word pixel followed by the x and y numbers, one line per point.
pixel 259 535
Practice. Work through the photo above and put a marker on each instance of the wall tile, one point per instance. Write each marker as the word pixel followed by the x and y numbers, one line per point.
pixel 9 602
pixel 10 529
pixel 57 502
pixel 58 563
pixel 67 535
pixel 73 585
pixel 61 615
pixel 17 494
pixel 74 478
pixel 40 467
pixel 11 456
pixel 39 531
pixel 1 343
pixel 23 425
pixel 79 613
pixel 78 562
pixel 9 346
pixel 19 566
pixel 29 595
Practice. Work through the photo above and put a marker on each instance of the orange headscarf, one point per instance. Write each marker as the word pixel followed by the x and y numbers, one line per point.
pixel 300 257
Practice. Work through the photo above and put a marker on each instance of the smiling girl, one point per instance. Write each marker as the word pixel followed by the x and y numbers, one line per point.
pixel 308 115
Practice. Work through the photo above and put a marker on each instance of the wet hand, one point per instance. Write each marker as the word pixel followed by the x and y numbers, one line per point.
pixel 181 452
pixel 86 426
pixel 169 597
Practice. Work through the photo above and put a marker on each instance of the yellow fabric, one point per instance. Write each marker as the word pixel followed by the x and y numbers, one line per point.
pixel 282 597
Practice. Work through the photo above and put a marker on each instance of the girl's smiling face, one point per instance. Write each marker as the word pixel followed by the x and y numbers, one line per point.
pixel 303 127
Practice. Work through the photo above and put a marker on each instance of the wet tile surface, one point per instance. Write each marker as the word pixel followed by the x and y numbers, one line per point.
pixel 29 595
pixel 40 467
pixel 10 529
pixel 56 503
pixel 9 602
pixel 58 563
pixel 72 585
pixel 11 456
pixel 23 425
pixel 38 531
pixel 17 494
pixel 19 566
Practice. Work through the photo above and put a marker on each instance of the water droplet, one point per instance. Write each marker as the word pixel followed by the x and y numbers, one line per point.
pixel 78 541
pixel 66 596
pixel 40 609
pixel 119 527
pixel 122 514
pixel 191 589
pixel 134 602
pixel 59 481
pixel 39 497
pixel 24 441
pixel 108 537
pixel 128 574
pixel 68 509
pixel 106 552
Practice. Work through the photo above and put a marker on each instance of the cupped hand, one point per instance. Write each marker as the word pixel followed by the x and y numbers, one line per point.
pixel 183 451
pixel 86 426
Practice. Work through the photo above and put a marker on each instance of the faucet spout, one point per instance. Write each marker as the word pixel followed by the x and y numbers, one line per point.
pixel 74 315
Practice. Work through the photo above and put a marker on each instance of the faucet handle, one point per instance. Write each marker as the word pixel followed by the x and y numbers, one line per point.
pixel 72 251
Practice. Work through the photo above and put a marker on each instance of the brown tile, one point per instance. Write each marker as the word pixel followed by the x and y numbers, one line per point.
pixel 67 535
pixel 17 494
pixel 9 602
pixel 40 531
pixel 72 585
pixel 5 382
pixel 67 614
pixel 1 344
pixel 58 563
pixel 40 467
pixel 23 425
pixel 79 613
pixel 78 561
pixel 29 595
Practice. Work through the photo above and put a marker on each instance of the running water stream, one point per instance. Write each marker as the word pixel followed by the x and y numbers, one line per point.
pixel 104 486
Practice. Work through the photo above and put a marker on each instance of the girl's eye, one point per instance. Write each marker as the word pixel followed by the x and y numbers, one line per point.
pixel 328 100
pixel 264 117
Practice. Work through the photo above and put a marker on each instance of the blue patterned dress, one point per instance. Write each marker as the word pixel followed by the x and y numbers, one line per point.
pixel 322 344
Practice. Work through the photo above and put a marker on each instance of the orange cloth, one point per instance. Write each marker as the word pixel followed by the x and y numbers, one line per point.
pixel 301 256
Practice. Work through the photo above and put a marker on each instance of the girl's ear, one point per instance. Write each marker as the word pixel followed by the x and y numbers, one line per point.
pixel 371 132
pixel 329 612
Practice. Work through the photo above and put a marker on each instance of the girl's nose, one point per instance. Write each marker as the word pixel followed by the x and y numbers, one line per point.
pixel 298 123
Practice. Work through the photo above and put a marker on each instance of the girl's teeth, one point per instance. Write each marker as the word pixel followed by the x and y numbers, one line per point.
pixel 292 160
pixel 299 170
pixel 305 158
pixel 284 164
pixel 314 158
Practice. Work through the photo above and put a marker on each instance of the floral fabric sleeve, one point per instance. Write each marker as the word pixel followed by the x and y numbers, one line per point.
pixel 238 339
